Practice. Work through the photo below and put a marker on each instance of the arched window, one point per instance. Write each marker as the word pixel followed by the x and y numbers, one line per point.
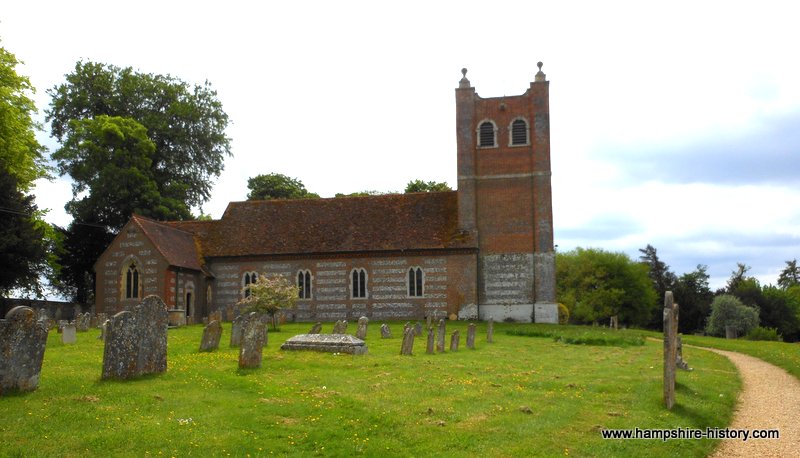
pixel 304 284
pixel 415 282
pixel 486 134
pixel 358 284
pixel 132 281
pixel 519 132
pixel 247 280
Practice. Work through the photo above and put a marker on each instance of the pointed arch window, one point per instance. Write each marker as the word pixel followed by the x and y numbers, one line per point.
pixel 132 281
pixel 304 284
pixel 247 279
pixel 415 282
pixel 487 134
pixel 520 133
pixel 358 283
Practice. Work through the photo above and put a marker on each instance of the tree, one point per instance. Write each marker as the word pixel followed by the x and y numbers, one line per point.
pixel 186 124
pixel 597 284
pixel 727 311
pixel 364 194
pixel 277 186
pixel 426 186
pixel 789 276
pixel 737 276
pixel 270 295
pixel 24 246
pixel 694 297
pixel 663 279
pixel 21 155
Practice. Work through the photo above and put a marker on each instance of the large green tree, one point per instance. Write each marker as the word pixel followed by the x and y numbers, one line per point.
pixel 21 155
pixel 663 279
pixel 185 123
pixel 694 297
pixel 426 186
pixel 277 186
pixel 728 311
pixel 596 284
pixel 790 275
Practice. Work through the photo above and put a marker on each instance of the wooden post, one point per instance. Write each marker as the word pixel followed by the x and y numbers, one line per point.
pixel 670 348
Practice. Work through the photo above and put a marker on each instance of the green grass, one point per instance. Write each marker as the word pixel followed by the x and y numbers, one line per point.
pixel 581 335
pixel 380 404
pixel 781 354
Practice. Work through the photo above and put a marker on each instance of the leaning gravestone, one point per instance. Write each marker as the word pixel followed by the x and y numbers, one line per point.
pixel 254 336
pixel 22 342
pixel 316 329
pixel 340 327
pixel 431 336
pixel 490 330
pixel 670 348
pixel 454 340
pixel 386 333
pixel 407 346
pixel 418 329
pixel 471 336
pixel 211 336
pixel 68 334
pixel 361 333
pixel 440 336
pixel 136 341
pixel 236 330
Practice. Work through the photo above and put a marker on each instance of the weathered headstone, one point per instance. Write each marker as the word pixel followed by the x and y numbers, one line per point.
pixel 614 322
pixel 490 330
pixel 330 343
pixel 211 336
pixel 361 333
pixel 215 316
pixel 61 324
pixel 679 362
pixel 471 336
pixel 418 329
pixel 136 341
pixel 429 321
pixel 340 327
pixel 22 342
pixel 254 336
pixel 386 333
pixel 454 340
pixel 670 348
pixel 68 334
pixel 82 322
pixel 236 330
pixel 408 341
pixel 103 327
pixel 316 329
pixel 440 336
pixel 431 338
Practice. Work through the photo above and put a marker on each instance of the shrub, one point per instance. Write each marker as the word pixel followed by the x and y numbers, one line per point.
pixel 563 314
pixel 728 310
pixel 759 333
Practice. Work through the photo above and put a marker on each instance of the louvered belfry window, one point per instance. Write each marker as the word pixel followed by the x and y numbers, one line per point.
pixel 486 134
pixel 519 132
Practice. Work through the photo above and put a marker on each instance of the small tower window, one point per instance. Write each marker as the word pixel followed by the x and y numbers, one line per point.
pixel 304 284
pixel 415 288
pixel 519 132
pixel 486 134
pixel 358 285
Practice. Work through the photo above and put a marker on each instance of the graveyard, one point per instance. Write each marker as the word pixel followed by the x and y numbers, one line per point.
pixel 536 390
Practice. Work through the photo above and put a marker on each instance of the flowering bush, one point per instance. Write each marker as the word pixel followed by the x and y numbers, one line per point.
pixel 270 295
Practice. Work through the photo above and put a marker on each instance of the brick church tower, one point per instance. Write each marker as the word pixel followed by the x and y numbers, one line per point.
pixel 504 199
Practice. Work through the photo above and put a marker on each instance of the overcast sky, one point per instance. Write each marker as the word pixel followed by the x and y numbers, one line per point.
pixel 672 123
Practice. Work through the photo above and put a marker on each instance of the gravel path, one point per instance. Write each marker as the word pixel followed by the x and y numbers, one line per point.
pixel 770 399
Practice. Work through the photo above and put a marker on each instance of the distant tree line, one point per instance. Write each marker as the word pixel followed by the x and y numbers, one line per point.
pixel 279 186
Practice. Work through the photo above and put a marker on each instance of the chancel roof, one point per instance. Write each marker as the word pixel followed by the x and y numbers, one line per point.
pixel 178 246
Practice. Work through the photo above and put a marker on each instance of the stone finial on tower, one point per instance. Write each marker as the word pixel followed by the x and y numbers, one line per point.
pixel 464 83
pixel 540 77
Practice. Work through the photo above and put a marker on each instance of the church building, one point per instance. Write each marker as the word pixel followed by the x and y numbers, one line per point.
pixel 485 250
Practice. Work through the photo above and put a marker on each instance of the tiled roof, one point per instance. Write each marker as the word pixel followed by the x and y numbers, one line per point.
pixel 393 222
pixel 176 245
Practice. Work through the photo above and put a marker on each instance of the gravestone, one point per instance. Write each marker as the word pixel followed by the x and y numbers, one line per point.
pixel 454 340
pixel 361 333
pixel 490 330
pixel 68 334
pixel 440 336
pixel 215 316
pixel 670 348
pixel 330 343
pixel 61 324
pixel 471 336
pixel 431 338
pixel 83 321
pixel 136 341
pixel 340 327
pixel 22 342
pixel 236 330
pixel 211 336
pixel 102 335
pixel 254 336
pixel 429 321
pixel 386 333
pixel 418 329
pixel 316 329
pixel 613 322
pixel 407 346
pixel 101 319
pixel 679 362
